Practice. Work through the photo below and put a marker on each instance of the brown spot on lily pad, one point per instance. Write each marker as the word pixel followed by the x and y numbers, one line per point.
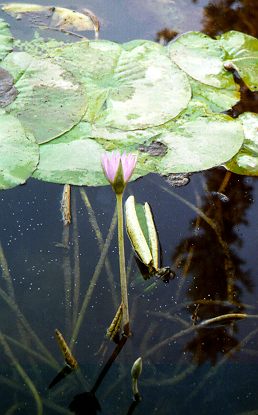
pixel 8 92
pixel 156 148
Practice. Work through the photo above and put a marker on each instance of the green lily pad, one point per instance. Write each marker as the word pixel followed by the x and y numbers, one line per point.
pixel 202 58
pixel 217 99
pixel 200 144
pixel 85 98
pixel 242 53
pixel 180 146
pixel 246 160
pixel 73 158
pixel 130 86
pixel 19 152
pixel 112 138
pixel 50 101
pixel 6 40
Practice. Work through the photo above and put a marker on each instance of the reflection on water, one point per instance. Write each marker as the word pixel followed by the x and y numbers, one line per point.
pixel 181 346
pixel 67 277
pixel 248 99
pixel 223 15
pixel 165 35
pixel 211 258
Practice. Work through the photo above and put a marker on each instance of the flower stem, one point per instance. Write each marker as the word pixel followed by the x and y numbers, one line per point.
pixel 123 279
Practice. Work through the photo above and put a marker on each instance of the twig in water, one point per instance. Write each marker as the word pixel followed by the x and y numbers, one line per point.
pixel 66 204
pixel 67 32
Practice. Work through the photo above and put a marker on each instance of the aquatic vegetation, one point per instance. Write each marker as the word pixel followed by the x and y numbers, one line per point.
pixel 59 18
pixel 100 95
pixel 142 232
pixel 161 326
pixel 186 331
pixel 118 169
pixel 16 144
pixel 135 373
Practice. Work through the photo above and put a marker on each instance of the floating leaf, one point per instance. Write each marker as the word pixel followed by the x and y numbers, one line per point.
pixel 130 86
pixel 66 19
pixel 8 92
pixel 73 158
pixel 202 58
pixel 50 101
pixel 218 99
pixel 205 141
pixel 99 95
pixel 56 17
pixel 200 144
pixel 246 160
pixel 242 53
pixel 16 9
pixel 6 40
pixel 19 152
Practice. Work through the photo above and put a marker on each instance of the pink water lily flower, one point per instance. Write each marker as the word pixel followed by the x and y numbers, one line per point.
pixel 118 169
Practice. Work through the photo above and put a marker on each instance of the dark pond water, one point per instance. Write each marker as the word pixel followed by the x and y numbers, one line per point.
pixel 208 232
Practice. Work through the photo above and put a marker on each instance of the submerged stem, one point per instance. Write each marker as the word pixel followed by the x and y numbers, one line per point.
pixel 93 283
pixel 28 382
pixel 123 279
pixel 193 328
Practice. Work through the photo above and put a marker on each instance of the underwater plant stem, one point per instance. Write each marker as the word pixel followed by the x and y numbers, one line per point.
pixel 93 282
pixel 67 273
pixel 30 351
pixel 214 369
pixel 123 279
pixel 100 240
pixel 135 389
pixel 109 363
pixel 133 407
pixel 76 261
pixel 23 375
pixel 6 274
pixel 20 317
pixel 204 323
pixel 225 182
pixel 228 263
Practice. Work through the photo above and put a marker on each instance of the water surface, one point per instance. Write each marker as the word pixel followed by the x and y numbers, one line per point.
pixel 210 369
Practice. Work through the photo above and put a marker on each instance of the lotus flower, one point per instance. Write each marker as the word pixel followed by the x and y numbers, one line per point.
pixel 118 169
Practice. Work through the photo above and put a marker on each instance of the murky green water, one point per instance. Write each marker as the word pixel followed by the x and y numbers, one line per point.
pixel 209 236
